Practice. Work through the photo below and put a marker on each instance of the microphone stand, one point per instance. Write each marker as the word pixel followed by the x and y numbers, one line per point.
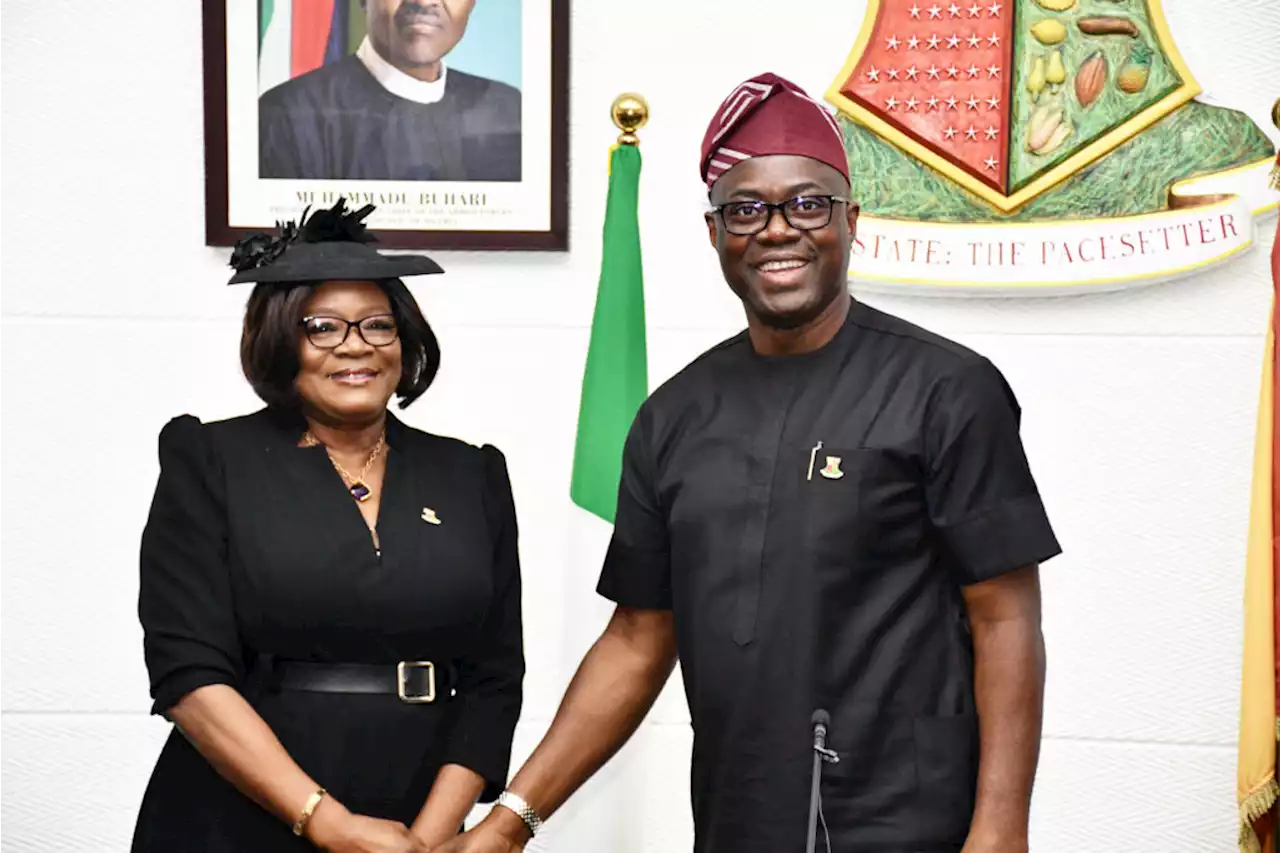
pixel 821 720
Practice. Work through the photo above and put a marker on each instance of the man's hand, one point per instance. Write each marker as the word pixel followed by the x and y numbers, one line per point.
pixel 991 844
pixel 610 694
pixel 501 831
pixel 482 839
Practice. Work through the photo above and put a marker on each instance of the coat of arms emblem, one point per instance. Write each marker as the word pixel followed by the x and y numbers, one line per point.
pixel 1075 115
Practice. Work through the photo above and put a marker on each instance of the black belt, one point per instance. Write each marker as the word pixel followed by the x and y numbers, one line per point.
pixel 414 682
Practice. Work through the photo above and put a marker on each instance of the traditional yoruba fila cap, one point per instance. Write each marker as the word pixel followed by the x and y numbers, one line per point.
pixel 330 245
pixel 770 115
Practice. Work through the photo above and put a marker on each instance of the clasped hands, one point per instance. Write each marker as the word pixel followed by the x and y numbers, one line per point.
pixel 500 832
pixel 334 829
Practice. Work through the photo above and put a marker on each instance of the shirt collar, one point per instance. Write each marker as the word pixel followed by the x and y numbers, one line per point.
pixel 397 82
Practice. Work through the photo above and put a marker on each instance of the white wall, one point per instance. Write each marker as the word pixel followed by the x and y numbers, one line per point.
pixel 1139 413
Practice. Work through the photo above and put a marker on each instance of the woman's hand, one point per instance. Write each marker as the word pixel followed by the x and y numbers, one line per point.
pixel 335 830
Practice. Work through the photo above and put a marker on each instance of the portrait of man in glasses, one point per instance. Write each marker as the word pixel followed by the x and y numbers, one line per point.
pixel 394 109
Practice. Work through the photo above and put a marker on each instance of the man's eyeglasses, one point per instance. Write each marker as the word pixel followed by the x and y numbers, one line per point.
pixel 803 213
pixel 331 332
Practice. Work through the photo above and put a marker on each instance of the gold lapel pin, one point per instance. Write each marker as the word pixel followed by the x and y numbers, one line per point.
pixel 429 515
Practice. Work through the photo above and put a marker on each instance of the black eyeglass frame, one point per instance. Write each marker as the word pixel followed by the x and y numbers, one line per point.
pixel 356 324
pixel 781 206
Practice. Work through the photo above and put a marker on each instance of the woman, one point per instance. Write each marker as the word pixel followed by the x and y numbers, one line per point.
pixel 330 599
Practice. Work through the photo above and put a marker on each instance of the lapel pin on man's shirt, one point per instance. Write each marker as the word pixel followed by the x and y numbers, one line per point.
pixel 832 471
pixel 429 515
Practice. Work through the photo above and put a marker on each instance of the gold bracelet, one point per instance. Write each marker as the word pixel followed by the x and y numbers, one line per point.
pixel 309 809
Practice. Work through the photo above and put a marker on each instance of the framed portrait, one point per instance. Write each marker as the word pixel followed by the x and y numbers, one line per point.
pixel 450 116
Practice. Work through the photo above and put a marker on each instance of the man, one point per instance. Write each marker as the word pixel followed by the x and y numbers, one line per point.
pixel 393 110
pixel 831 510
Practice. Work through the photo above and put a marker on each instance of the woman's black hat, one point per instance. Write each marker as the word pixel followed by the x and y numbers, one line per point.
pixel 330 245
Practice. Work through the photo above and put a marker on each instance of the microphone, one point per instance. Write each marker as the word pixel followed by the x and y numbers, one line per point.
pixel 821 723
pixel 821 719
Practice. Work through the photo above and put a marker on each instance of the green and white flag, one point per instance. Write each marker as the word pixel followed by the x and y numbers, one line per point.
pixel 275 36
pixel 616 380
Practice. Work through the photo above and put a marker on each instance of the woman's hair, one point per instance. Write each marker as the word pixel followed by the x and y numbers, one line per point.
pixel 272 335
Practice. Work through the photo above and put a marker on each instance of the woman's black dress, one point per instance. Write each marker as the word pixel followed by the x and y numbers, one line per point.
pixel 255 556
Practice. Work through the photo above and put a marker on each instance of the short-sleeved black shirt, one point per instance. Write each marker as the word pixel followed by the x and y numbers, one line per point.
pixel 811 520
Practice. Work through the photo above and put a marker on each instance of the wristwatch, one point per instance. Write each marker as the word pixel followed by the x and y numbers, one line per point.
pixel 516 803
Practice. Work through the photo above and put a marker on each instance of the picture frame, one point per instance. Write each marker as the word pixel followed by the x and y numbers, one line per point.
pixel 309 101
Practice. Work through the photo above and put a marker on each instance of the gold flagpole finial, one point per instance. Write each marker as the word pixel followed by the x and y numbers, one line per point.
pixel 630 112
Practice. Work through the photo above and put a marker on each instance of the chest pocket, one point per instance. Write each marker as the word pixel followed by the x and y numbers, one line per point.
pixel 861 504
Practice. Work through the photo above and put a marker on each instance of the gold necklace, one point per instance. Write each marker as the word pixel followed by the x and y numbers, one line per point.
pixel 356 485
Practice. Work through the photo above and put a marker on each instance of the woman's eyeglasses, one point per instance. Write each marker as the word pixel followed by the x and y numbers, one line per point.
pixel 331 332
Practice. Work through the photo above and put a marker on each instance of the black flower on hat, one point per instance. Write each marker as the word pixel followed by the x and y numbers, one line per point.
pixel 337 225
pixel 260 249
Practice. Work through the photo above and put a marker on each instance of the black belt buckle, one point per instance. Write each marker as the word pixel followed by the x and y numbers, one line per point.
pixel 403 671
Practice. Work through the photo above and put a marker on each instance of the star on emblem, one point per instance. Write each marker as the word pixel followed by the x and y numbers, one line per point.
pixel 951 102
pixel 933 72
pixel 994 9
pixel 911 104
pixel 873 74
pixel 953 41
pixel 975 40
pixel 990 163
pixel 892 42
pixel 950 133
pixel 993 102
pixel 973 71
pixel 893 73
pixel 972 103
pixel 953 72
pixel 913 43
pixel 914 10
pixel 935 12
pixel 993 39
pixel 934 41
pixel 993 71
pixel 991 132
pixel 911 73
pixel 975 10
pixel 971 133
pixel 891 103
pixel 932 102
pixel 953 10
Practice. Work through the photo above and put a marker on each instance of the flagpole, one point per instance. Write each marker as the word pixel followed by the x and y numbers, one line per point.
pixel 602 815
